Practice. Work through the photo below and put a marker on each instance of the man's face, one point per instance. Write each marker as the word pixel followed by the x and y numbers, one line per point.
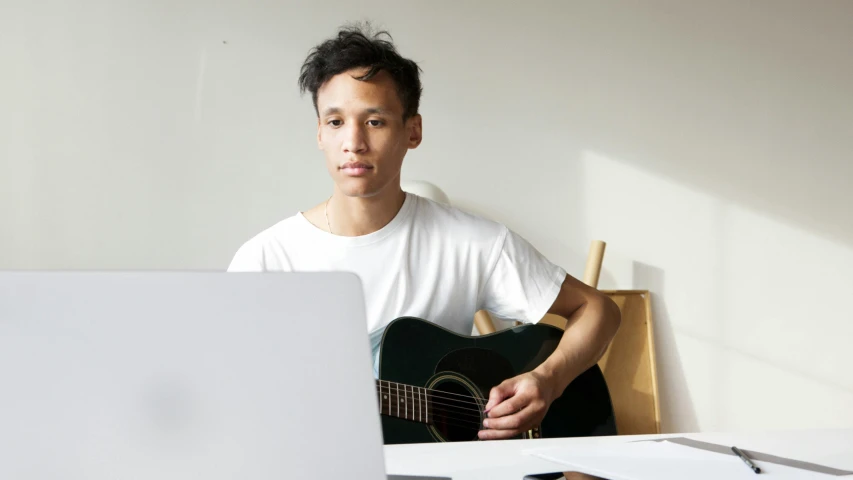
pixel 362 132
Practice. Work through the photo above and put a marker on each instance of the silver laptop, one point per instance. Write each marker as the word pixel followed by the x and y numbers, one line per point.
pixel 176 375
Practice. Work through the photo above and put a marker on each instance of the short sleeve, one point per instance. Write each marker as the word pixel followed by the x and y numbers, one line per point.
pixel 523 284
pixel 249 258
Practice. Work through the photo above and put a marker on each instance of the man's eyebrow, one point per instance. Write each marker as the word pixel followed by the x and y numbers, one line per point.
pixel 372 110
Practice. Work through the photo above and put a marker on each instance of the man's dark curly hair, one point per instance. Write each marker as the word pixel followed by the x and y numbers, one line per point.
pixel 356 47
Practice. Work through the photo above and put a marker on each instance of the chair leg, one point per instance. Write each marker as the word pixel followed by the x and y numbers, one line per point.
pixel 593 263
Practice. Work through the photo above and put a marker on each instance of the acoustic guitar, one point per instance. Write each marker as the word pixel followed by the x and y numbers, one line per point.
pixel 433 384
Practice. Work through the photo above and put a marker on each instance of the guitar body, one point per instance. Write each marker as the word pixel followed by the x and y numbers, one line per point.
pixel 463 369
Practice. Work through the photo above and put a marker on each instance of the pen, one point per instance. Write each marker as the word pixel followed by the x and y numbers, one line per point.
pixel 746 460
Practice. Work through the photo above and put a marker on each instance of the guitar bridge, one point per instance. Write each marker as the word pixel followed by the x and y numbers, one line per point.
pixel 534 432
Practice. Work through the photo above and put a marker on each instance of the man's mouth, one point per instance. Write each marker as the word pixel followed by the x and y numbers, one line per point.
pixel 355 168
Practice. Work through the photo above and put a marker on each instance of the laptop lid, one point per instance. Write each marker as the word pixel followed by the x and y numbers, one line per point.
pixel 176 375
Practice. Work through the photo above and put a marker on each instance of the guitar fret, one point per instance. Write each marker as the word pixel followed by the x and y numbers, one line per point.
pixel 426 406
pixel 418 397
pixel 426 401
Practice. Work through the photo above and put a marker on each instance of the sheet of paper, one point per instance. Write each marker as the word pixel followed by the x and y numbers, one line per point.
pixel 760 456
pixel 662 461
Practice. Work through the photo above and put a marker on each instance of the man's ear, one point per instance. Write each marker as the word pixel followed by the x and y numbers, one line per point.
pixel 319 135
pixel 415 131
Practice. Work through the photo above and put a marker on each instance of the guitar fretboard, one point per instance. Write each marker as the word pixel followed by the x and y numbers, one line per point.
pixel 404 401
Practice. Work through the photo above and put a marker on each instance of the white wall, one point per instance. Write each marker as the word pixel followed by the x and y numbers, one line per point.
pixel 708 144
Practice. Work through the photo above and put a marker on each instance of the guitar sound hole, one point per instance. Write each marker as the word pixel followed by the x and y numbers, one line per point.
pixel 456 412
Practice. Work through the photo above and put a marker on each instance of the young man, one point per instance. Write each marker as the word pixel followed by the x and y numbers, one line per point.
pixel 414 256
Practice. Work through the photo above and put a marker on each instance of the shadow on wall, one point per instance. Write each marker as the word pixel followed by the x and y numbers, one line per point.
pixel 677 408
pixel 752 317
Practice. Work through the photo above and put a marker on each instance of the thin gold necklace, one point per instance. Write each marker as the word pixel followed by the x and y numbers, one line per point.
pixel 326 213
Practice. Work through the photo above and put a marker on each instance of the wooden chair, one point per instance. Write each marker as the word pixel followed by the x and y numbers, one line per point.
pixel 629 363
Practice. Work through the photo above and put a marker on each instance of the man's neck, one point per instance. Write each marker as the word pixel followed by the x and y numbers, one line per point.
pixel 354 216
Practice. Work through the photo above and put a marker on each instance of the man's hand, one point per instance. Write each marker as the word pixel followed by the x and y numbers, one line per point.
pixel 517 405
pixel 520 403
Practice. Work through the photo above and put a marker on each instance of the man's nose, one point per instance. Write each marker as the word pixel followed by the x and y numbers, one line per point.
pixel 355 141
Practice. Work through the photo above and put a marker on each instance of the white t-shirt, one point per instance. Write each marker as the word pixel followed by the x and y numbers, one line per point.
pixel 431 261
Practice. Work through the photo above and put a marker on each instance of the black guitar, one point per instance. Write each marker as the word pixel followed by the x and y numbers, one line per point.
pixel 433 383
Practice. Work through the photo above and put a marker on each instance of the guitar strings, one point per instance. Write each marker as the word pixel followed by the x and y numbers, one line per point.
pixel 447 418
pixel 406 396
pixel 389 383
pixel 459 424
pixel 455 411
pixel 434 391
pixel 443 416
pixel 431 401
pixel 454 416
pixel 448 410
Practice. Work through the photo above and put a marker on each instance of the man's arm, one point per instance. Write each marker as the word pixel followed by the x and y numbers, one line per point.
pixel 593 319
pixel 519 403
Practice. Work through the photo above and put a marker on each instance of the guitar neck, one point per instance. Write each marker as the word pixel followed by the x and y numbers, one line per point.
pixel 404 401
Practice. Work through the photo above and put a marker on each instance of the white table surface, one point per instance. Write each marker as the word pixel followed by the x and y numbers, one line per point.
pixel 505 459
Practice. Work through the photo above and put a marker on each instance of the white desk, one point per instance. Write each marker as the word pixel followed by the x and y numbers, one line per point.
pixel 497 460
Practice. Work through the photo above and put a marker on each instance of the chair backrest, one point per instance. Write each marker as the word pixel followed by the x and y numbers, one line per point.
pixel 629 365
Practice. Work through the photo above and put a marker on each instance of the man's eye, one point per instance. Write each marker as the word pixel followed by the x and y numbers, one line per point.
pixel 335 123
pixel 374 123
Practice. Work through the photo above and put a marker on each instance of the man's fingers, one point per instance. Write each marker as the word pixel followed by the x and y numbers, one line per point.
pixel 507 427
pixel 514 421
pixel 508 407
pixel 514 406
pixel 498 394
pixel 497 434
